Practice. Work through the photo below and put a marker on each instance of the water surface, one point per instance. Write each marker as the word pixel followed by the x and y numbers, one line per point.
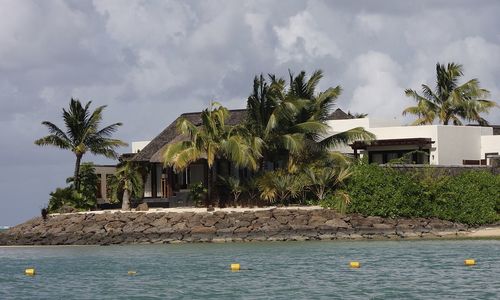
pixel 280 270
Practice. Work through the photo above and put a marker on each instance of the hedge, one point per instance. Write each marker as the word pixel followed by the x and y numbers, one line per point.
pixel 471 198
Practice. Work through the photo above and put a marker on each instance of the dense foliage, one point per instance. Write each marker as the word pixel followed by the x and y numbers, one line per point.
pixel 126 183
pixel 82 197
pixel 471 197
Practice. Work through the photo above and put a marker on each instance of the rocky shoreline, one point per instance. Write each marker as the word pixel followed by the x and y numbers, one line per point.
pixel 277 224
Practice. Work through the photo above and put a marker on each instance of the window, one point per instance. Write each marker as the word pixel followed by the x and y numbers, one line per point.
pixel 406 156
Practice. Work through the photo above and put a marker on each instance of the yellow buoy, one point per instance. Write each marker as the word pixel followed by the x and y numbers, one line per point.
pixel 354 264
pixel 132 273
pixel 469 262
pixel 235 267
pixel 30 271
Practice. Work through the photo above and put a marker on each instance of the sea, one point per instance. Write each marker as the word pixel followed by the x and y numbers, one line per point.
pixel 268 270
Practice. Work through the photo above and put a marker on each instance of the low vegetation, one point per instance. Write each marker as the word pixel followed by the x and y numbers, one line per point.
pixel 471 197
pixel 73 198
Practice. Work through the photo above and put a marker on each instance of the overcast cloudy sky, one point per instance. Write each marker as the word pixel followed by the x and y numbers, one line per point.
pixel 149 61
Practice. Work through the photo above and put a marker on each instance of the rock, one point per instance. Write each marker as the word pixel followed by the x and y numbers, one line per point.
pixel 339 223
pixel 317 220
pixel 203 230
pixel 383 226
pixel 209 220
pixel 142 207
pixel 221 226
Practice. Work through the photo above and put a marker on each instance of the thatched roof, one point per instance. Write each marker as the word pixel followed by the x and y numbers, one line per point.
pixel 152 151
pixel 339 114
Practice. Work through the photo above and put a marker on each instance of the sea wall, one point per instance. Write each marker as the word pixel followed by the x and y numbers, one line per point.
pixel 220 226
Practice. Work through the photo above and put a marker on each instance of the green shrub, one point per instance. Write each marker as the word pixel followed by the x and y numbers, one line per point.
pixel 68 197
pixel 470 198
pixel 384 192
pixel 82 199
pixel 197 193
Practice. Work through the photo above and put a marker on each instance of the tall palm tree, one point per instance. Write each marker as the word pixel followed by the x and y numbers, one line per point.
pixel 292 118
pixel 82 134
pixel 211 141
pixel 450 101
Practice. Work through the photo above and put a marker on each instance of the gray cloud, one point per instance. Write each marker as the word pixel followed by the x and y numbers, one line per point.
pixel 151 60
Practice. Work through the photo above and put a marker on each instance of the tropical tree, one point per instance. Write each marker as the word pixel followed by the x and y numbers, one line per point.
pixel 82 134
pixel 323 180
pixel 213 140
pixel 291 119
pixel 127 181
pixel 450 101
pixel 234 186
pixel 81 198
pixel 279 186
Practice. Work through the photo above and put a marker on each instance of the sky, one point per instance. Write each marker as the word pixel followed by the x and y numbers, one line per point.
pixel 149 61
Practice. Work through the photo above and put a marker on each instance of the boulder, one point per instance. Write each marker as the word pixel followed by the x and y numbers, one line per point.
pixel 203 230
pixel 142 207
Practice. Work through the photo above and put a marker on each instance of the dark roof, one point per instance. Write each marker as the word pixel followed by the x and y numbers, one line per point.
pixel 391 142
pixel 496 129
pixel 339 114
pixel 237 116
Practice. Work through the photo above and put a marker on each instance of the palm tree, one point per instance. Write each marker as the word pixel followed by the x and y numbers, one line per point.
pixel 449 101
pixel 235 187
pixel 323 179
pixel 127 179
pixel 211 141
pixel 82 134
pixel 292 119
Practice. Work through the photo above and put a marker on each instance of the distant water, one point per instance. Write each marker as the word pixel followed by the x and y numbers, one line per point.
pixel 280 270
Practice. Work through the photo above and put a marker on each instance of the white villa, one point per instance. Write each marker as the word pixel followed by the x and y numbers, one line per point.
pixel 428 144
pixel 444 144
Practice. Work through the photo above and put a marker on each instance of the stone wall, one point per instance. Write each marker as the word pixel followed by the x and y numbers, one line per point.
pixel 220 226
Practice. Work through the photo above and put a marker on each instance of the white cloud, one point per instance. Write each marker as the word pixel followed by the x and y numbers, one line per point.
pixel 36 34
pixel 370 23
pixel 378 93
pixel 146 24
pixel 303 38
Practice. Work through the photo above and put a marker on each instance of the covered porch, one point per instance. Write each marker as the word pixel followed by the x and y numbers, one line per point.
pixel 164 187
pixel 414 150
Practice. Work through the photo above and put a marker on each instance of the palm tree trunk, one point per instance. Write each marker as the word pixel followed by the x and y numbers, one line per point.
pixel 126 200
pixel 76 175
pixel 209 185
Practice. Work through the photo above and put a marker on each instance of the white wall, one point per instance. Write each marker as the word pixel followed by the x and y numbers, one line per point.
pixel 490 144
pixel 458 143
pixel 138 146
pixel 452 144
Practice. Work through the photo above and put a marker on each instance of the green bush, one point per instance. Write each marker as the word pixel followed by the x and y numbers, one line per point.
pixel 68 197
pixel 470 198
pixel 82 199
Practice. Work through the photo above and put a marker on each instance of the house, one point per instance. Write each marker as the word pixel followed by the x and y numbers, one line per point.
pixel 425 144
pixel 429 144
pixel 162 182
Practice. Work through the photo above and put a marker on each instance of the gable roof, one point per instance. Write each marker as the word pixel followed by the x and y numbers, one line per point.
pixel 170 133
pixel 339 114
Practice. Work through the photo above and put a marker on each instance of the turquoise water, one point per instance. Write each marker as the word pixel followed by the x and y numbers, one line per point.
pixel 280 270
